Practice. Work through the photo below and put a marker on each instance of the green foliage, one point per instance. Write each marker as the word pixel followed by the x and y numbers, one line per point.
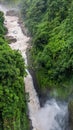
pixel 50 23
pixel 13 107
pixel 3 29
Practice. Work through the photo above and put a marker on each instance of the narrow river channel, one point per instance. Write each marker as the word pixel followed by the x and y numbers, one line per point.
pixel 53 116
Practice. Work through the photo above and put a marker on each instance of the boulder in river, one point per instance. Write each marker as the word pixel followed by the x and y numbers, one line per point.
pixel 11 39
pixel 12 13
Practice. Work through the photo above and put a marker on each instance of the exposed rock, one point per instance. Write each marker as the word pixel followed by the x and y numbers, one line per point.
pixel 12 13
pixel 11 39
pixel 70 107
pixel 24 30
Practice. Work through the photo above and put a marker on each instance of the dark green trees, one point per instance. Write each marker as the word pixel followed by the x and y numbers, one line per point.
pixel 50 24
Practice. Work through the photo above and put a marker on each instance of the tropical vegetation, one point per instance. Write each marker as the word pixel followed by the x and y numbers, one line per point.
pixel 50 24
pixel 13 107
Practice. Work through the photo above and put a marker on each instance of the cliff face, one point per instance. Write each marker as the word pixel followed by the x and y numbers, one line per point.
pixel 70 108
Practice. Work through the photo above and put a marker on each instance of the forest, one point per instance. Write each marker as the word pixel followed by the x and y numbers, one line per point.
pixel 13 107
pixel 50 25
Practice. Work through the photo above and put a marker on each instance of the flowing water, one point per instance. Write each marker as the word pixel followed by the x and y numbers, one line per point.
pixel 53 115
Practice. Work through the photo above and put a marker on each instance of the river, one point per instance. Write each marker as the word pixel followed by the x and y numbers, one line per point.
pixel 53 115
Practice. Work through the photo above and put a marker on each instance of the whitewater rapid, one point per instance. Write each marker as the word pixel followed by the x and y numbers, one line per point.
pixel 48 116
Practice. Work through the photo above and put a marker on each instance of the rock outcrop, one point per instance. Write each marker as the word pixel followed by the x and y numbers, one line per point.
pixel 11 39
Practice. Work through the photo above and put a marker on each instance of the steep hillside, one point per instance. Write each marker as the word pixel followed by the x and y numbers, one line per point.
pixel 50 24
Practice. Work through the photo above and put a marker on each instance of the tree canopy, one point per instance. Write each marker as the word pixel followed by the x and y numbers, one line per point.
pixel 13 107
pixel 50 25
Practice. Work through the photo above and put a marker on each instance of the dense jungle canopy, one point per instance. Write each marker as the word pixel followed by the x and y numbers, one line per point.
pixel 50 23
